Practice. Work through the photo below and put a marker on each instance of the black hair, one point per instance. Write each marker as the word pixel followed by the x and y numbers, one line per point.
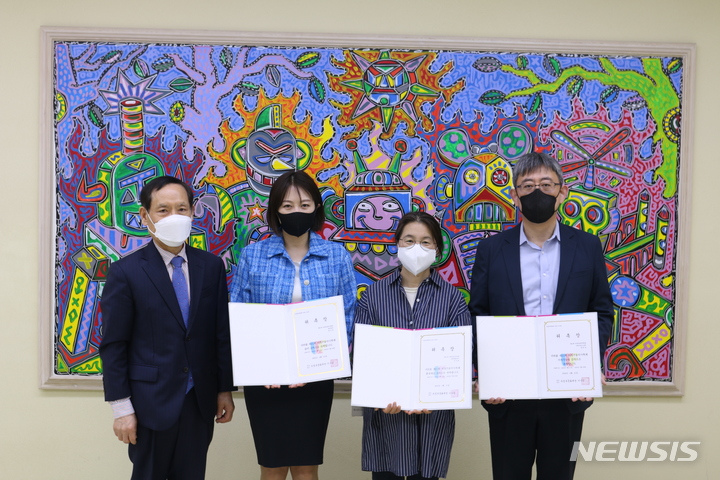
pixel 426 219
pixel 279 190
pixel 158 183
pixel 532 161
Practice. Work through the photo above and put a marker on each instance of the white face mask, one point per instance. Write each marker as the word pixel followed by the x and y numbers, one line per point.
pixel 416 259
pixel 172 230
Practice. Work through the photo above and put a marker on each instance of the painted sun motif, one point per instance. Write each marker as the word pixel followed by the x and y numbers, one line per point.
pixel 142 91
pixel 236 166
pixel 387 90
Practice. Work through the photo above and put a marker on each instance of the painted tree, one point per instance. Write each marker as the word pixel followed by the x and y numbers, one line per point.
pixel 653 85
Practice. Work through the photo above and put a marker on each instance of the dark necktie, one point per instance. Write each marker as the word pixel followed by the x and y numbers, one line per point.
pixel 181 292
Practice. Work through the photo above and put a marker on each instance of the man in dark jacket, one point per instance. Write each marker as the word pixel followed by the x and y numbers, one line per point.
pixel 167 369
pixel 539 267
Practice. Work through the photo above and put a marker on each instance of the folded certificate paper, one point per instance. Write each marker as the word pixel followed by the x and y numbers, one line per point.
pixel 285 344
pixel 550 356
pixel 418 369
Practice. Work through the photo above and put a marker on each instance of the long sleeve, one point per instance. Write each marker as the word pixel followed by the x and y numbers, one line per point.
pixel 601 299
pixel 222 331
pixel 458 314
pixel 362 315
pixel 117 325
pixel 479 301
pixel 239 289
pixel 348 287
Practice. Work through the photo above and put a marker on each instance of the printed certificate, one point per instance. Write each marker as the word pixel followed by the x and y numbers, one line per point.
pixel 550 356
pixel 286 344
pixel 418 369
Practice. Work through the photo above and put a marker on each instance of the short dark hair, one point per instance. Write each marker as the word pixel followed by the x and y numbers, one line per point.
pixel 533 161
pixel 426 219
pixel 301 181
pixel 158 183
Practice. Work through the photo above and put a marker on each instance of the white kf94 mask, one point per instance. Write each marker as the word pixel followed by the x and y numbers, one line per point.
pixel 416 259
pixel 172 230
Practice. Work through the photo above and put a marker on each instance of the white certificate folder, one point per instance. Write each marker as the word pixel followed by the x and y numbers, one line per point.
pixel 286 344
pixel 418 369
pixel 549 356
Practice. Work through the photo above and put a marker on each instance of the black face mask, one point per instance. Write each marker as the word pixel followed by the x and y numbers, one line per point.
pixel 296 223
pixel 537 207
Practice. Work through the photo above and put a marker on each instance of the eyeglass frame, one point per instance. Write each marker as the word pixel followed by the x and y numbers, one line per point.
pixel 431 243
pixel 550 187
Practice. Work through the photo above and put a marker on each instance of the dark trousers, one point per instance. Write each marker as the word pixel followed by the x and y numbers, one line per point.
pixel 178 453
pixel 392 476
pixel 530 431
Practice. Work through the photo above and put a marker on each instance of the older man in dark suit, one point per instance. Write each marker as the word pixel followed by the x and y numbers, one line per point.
pixel 166 342
pixel 539 267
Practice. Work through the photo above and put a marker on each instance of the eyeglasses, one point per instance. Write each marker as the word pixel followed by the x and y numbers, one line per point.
pixel 545 187
pixel 410 242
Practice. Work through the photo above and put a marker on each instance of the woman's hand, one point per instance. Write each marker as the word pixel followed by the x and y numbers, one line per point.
pixel 392 408
pixel 294 385
pixel 418 412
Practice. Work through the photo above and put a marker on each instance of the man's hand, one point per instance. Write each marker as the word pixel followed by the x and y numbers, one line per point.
pixel 125 428
pixel 588 399
pixel 418 412
pixel 225 407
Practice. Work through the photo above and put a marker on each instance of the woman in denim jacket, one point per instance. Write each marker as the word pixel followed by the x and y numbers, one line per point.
pixel 289 422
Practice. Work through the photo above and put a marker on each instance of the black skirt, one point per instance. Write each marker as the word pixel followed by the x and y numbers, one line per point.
pixel 289 424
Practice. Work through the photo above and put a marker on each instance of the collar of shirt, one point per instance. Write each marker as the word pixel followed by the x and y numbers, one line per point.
pixel 275 246
pixel 434 278
pixel 555 235
pixel 167 256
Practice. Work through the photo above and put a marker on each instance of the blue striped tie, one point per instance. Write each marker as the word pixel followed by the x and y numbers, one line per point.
pixel 181 292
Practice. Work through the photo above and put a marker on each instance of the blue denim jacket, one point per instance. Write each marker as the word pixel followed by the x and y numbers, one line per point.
pixel 266 273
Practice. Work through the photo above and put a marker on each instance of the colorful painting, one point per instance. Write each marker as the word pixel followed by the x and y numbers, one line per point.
pixel 384 131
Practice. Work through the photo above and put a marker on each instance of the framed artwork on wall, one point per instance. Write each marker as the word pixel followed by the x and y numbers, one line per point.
pixel 386 125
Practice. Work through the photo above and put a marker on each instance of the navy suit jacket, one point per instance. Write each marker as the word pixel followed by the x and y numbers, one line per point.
pixel 146 350
pixel 496 283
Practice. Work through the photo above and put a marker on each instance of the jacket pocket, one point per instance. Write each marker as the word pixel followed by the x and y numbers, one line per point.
pixel 143 373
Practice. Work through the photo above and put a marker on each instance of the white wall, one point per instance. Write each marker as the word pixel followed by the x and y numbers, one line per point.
pixel 64 435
